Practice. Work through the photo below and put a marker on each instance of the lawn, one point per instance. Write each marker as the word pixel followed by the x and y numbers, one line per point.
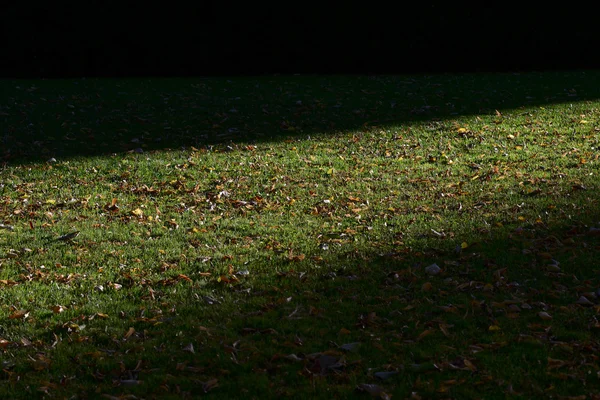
pixel 301 236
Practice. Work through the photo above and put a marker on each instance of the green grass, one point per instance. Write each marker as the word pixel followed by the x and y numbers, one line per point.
pixel 270 237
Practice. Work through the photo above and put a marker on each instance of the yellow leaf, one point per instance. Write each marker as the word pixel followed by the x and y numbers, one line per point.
pixel 464 245
pixel 462 130
pixel 519 147
pixel 493 328
pixel 130 332
pixel 138 212
pixel 50 201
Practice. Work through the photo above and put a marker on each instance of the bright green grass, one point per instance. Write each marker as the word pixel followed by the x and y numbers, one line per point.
pixel 270 236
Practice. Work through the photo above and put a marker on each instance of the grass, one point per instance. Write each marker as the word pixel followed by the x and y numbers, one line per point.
pixel 277 236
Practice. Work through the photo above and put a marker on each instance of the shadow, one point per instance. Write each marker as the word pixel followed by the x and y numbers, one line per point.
pixel 63 119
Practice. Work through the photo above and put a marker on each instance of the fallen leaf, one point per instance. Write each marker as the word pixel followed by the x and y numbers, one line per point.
pixel 427 287
pixel 57 309
pixel 210 384
pixel 425 333
pixel 385 374
pixel 189 348
pixel 19 314
pixel 544 315
pixel 583 301
pixel 292 357
pixel 350 346
pixel 373 390
pixel 130 332
pixel 433 269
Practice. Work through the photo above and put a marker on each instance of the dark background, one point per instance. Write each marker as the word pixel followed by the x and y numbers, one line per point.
pixel 95 39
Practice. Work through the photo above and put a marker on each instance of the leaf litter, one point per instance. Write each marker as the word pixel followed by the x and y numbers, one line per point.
pixel 445 254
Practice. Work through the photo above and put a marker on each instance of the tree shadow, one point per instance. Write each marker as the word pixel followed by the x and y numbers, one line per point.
pixel 62 119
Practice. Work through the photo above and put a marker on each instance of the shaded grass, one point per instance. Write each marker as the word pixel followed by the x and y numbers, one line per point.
pixel 299 267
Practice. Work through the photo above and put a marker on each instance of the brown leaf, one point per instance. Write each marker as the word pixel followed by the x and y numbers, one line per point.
pixel 444 329
pixel 469 365
pixel 19 314
pixel 554 363
pixel 425 333
pixel 57 309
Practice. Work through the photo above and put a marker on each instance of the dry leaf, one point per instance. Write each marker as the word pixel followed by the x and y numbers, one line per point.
pixel 58 309
pixel 19 314
pixel 425 333
pixel 373 390
pixel 544 315
pixel 584 301
pixel 189 348
pixel 209 385
pixel 130 332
